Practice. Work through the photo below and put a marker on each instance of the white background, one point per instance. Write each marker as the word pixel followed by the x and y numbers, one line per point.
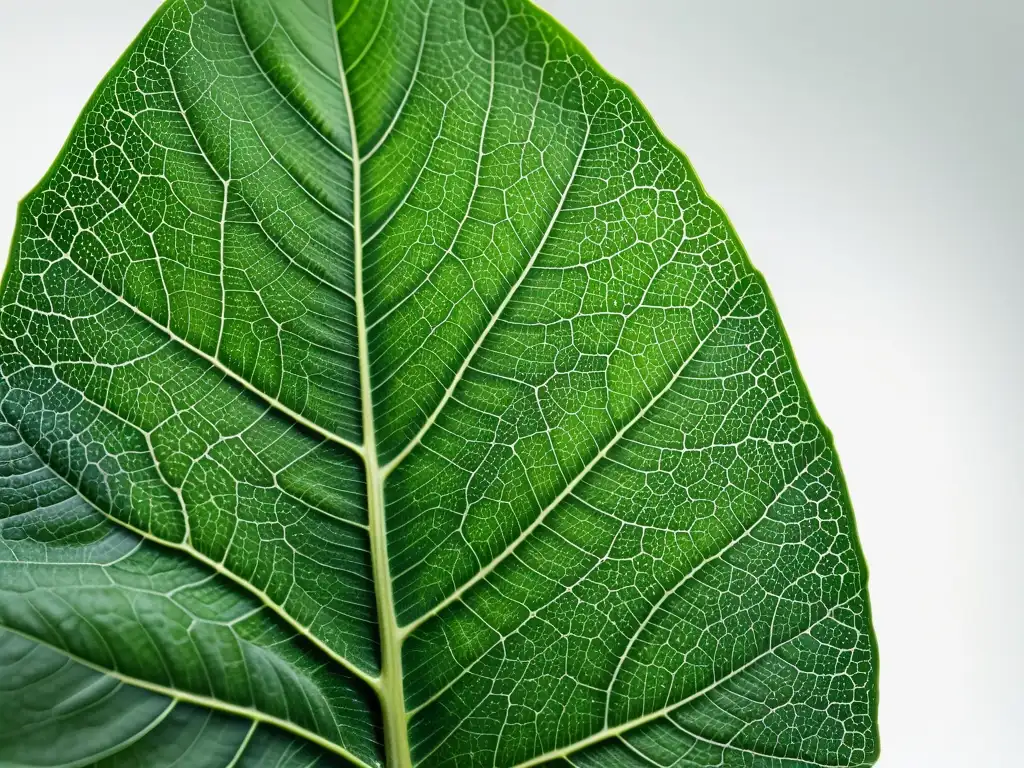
pixel 870 155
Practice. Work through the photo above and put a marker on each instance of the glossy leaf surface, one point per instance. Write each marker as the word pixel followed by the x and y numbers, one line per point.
pixel 379 387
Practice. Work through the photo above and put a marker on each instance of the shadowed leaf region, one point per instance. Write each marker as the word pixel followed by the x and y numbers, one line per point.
pixel 378 387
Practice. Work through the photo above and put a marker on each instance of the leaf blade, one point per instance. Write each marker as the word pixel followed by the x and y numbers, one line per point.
pixel 442 257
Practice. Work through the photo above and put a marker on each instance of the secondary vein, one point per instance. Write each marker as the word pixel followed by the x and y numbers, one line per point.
pixel 204 701
pixel 187 549
pixel 481 574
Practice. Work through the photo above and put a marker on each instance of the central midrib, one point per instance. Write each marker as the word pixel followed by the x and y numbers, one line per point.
pixel 390 689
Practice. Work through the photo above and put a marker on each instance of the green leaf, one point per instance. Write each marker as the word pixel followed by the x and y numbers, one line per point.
pixel 379 387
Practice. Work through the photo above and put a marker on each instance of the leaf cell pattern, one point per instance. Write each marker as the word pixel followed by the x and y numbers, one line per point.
pixel 379 387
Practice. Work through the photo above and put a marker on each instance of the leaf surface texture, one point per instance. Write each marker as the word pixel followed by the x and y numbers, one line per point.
pixel 379 387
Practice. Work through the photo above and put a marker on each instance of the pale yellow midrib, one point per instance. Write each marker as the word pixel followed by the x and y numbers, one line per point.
pixel 390 688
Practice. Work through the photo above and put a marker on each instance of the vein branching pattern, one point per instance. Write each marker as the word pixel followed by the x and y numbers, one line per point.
pixel 380 388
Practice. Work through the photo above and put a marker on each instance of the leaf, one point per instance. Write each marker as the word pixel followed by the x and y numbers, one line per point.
pixel 381 388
